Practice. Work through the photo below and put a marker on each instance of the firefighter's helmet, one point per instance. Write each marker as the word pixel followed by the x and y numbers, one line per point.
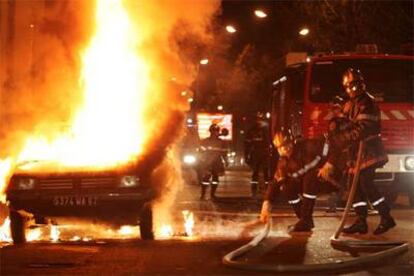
pixel 214 128
pixel 353 82
pixel 260 115
pixel 283 141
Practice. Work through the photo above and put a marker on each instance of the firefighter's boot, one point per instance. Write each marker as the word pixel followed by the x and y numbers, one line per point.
pixel 213 191
pixel 387 222
pixel 297 209
pixel 305 222
pixel 203 192
pixel 360 225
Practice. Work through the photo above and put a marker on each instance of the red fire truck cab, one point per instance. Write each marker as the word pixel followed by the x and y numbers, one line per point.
pixel 301 101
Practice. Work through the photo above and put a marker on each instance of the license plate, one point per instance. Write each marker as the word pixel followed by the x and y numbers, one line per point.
pixel 74 200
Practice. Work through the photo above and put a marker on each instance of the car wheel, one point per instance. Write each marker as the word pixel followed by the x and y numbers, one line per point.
pixel 17 227
pixel 145 223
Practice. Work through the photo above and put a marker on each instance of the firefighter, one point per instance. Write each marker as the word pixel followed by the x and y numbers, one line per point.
pixel 364 117
pixel 257 150
pixel 296 176
pixel 213 151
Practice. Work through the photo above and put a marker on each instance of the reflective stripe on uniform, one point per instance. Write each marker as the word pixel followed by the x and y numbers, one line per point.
pixel 325 149
pixel 215 183
pixel 309 196
pixel 359 204
pixel 254 182
pixel 205 183
pixel 294 201
pixel 307 167
pixel 368 117
pixel 378 201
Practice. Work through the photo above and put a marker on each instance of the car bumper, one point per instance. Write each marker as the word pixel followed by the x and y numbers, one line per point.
pixel 116 206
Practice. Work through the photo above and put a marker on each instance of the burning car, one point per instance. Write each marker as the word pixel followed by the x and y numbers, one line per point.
pixel 119 196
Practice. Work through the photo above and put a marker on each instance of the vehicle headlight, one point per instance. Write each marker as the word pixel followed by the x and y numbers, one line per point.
pixel 409 163
pixel 129 181
pixel 189 159
pixel 25 184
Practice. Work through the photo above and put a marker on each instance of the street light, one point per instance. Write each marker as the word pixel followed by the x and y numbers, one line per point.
pixel 231 29
pixel 304 32
pixel 220 107
pixel 260 13
pixel 204 61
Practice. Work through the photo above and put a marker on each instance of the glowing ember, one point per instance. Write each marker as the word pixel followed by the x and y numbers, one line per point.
pixel 114 80
pixel 188 222
pixel 86 239
pixel 54 233
pixel 126 230
pixel 5 235
pixel 166 231
pixel 75 238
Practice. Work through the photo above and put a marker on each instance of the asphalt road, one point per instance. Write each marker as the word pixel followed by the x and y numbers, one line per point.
pixel 220 227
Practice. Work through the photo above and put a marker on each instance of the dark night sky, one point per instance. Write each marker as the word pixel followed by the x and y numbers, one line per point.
pixel 284 20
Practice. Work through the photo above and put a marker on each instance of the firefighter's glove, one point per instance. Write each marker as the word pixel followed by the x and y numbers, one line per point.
pixel 265 213
pixel 326 171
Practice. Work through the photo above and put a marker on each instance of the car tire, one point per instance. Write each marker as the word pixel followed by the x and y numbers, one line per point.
pixel 145 223
pixel 17 227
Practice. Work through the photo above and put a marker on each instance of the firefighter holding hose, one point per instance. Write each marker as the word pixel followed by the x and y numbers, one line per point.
pixel 364 125
pixel 297 176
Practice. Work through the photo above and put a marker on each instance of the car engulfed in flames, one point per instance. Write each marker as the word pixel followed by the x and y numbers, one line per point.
pixel 101 166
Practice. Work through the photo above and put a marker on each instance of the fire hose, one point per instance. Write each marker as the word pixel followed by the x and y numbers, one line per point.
pixel 398 247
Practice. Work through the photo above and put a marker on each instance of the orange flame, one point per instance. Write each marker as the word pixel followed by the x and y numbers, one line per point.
pixel 108 130
pixel 54 233
pixel 5 235
pixel 165 231
pixel 188 222
pixel 5 170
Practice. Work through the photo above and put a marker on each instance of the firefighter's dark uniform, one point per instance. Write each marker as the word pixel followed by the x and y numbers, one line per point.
pixel 257 147
pixel 212 151
pixel 296 176
pixel 364 116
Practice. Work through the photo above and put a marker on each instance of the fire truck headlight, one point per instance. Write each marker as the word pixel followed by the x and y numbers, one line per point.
pixel 409 163
pixel 129 181
pixel 189 159
pixel 25 184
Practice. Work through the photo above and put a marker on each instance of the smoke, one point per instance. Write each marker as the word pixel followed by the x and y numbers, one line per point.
pixel 171 34
pixel 40 67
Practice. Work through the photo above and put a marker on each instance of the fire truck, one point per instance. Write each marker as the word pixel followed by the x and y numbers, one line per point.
pixel 303 91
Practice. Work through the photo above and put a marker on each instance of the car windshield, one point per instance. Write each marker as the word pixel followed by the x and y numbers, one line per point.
pixel 388 80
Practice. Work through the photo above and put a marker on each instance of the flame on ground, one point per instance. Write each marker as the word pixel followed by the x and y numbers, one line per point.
pixel 166 231
pixel 5 235
pixel 54 233
pixel 188 222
